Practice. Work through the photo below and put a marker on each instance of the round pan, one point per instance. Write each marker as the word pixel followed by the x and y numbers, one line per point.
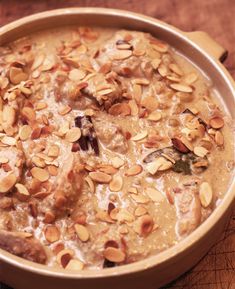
pixel 155 271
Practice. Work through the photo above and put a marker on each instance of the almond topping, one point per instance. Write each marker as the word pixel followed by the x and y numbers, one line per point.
pixel 144 225
pixel 100 177
pixel 181 87
pixel 53 151
pixel 121 54
pixel 77 74
pixel 64 256
pixel 17 75
pixel 160 164
pixel 154 195
pixel 73 134
pixel 140 136
pixel 120 109
pixel 7 140
pixel 4 160
pixel 117 162
pixel 155 116
pixel 219 139
pixel 140 211
pixel 28 113
pixel 190 78
pixel 205 194
pixel 200 151
pixel 25 132
pixel 134 170
pixel 40 174
pixel 216 122
pixel 82 232
pixel 90 184
pixel 52 234
pixel 116 184
pixel 64 110
pixel 7 183
pixel 114 255
pixel 22 189
pixel 74 264
pixel 150 103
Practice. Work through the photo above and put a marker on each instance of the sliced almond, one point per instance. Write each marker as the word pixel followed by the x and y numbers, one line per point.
pixel 65 109
pixel 106 168
pixel 53 170
pixel 77 75
pixel 216 122
pixel 117 162
pixel 17 75
pixel 82 232
pixel 38 61
pixel 137 92
pixel 7 183
pixel 154 195
pixel 116 184
pixel 156 62
pixel 22 189
pixel 181 87
pixel 90 184
pixel 8 115
pixel 25 132
pixel 64 256
pixel 140 199
pixel 38 162
pixel 205 194
pixel 73 134
pixel 159 46
pixel 123 215
pixel 52 234
pixel 100 177
pixel 40 174
pixel 150 103
pixel 155 116
pixel 4 160
pixel 144 225
pixel 134 107
pixel 114 255
pixel 140 136
pixel 28 113
pixel 134 170
pixel 132 190
pixel 200 151
pixel 140 211
pixel 175 68
pixel 219 139
pixel 53 151
pixel 74 265
pixel 40 106
pixel 7 140
pixel 160 164
pixel 120 109
pixel 121 54
pixel 190 78
pixel 140 81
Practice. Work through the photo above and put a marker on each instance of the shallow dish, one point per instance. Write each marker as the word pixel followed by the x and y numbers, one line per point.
pixel 157 270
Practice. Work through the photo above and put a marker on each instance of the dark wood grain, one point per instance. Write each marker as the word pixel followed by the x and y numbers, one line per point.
pixel 217 17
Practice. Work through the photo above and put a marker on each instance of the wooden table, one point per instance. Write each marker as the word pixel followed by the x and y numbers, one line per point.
pixel 217 17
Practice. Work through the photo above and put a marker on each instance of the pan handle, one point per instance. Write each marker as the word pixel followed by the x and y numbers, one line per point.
pixel 207 43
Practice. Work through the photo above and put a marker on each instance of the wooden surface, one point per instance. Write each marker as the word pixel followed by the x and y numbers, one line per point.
pixel 217 17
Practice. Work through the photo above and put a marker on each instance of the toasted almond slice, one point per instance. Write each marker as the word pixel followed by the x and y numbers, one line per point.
pixel 17 75
pixel 117 162
pixel 7 140
pixel 160 164
pixel 64 110
pixel 216 122
pixel 22 189
pixel 52 233
pixel 116 184
pixel 64 256
pixel 155 116
pixel 122 216
pixel 40 174
pixel 141 81
pixel 132 190
pixel 175 68
pixel 121 54
pixel 38 61
pixel 205 194
pixel 140 199
pixel 181 87
pixel 53 151
pixel 134 170
pixel 82 232
pixel 120 109
pixel 156 62
pixel 162 70
pixel 154 195
pixel 150 102
pixel 104 217
pixel 160 46
pixel 106 168
pixel 144 225
pixel 75 265
pixel 25 132
pixel 73 134
pixel 140 136
pixel 134 107
pixel 200 151
pixel 137 92
pixel 114 255
pixel 219 139
pixel 100 177
pixel 28 113
pixel 40 105
pixel 8 115
pixel 90 184
pixel 38 162
pixel 7 183
pixel 140 211
pixel 52 170
pixel 190 78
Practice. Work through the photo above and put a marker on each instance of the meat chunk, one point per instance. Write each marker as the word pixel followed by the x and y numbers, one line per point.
pixel 188 209
pixel 66 187
pixel 27 248
pixel 110 135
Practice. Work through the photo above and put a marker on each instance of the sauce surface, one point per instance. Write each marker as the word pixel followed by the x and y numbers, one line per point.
pixel 113 147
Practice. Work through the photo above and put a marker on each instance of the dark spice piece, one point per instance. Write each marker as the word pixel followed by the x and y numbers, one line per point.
pixel 108 264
